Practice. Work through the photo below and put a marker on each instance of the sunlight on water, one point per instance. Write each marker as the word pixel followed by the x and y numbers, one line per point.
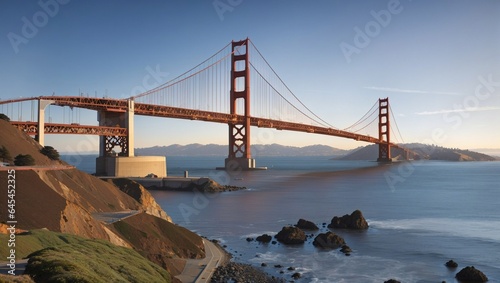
pixel 480 229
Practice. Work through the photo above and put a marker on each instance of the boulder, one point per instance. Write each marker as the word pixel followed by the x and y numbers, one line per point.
pixel 264 238
pixel 346 249
pixel 451 264
pixel 355 221
pixel 328 240
pixel 306 225
pixel 291 235
pixel 392 281
pixel 471 274
pixel 296 275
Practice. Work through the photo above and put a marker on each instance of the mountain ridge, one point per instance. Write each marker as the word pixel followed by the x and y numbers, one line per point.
pixel 196 149
pixel 423 151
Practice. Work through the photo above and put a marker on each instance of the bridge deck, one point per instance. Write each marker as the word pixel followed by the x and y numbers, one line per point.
pixel 120 105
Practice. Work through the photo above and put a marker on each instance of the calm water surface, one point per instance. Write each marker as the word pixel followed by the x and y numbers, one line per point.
pixel 420 214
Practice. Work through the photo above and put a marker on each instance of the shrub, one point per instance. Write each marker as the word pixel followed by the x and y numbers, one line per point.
pixel 5 154
pixel 24 160
pixel 50 152
pixel 4 117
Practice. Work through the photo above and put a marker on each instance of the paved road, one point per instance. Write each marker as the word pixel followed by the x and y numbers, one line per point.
pixel 201 270
pixel 37 167
pixel 112 217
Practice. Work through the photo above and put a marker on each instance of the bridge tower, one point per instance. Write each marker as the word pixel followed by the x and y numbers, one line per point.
pixel 240 157
pixel 384 135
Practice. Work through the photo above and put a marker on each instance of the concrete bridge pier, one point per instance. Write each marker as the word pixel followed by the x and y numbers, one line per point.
pixel 124 163
pixel 40 136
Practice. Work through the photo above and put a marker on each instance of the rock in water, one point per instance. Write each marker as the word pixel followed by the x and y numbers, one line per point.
pixel 328 240
pixel 451 264
pixel 264 238
pixel 346 249
pixel 306 225
pixel 291 236
pixel 471 274
pixel 355 221
pixel 392 281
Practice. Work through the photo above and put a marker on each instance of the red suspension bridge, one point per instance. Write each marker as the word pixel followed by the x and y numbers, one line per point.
pixel 258 97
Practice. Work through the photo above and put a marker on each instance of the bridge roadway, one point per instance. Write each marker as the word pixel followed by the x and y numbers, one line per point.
pixel 143 109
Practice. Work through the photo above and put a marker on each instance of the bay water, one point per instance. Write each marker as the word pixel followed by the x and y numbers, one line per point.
pixel 421 214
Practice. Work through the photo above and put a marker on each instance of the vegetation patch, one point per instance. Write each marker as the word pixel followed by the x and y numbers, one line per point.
pixel 61 257
pixel 4 117
pixel 5 154
pixel 50 152
pixel 24 160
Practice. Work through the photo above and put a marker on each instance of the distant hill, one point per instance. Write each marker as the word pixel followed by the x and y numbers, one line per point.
pixel 257 150
pixel 423 151
pixel 495 152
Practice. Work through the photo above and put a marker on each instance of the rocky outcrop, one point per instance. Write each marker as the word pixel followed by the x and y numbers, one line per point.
pixel 346 250
pixel 291 236
pixel 306 225
pixel 77 221
pixel 328 240
pixel 451 264
pixel 264 238
pixel 141 195
pixel 237 272
pixel 204 185
pixel 471 274
pixel 355 221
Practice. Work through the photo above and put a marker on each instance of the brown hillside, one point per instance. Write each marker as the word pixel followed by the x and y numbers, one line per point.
pixel 69 201
pixel 158 240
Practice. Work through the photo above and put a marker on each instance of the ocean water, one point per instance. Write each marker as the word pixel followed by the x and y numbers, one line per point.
pixel 421 214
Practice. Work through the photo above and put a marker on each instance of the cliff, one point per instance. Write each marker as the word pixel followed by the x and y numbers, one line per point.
pixel 64 199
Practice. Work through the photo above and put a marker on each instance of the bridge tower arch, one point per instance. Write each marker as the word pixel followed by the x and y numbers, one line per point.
pixel 240 157
pixel 384 133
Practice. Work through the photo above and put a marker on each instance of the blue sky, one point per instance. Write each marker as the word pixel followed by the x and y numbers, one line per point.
pixel 437 61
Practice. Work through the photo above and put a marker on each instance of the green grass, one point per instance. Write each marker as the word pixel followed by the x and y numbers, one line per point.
pixel 68 258
pixel 35 240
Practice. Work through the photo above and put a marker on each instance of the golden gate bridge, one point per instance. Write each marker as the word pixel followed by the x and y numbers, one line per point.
pixel 230 87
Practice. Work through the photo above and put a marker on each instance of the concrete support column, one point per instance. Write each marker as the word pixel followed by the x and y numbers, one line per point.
pixel 101 118
pixel 42 104
pixel 129 124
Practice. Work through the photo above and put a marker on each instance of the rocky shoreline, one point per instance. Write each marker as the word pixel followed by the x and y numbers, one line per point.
pixel 244 273
pixel 295 235
pixel 204 185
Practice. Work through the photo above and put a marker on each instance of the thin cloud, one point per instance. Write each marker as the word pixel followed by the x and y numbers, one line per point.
pixel 390 89
pixel 445 111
